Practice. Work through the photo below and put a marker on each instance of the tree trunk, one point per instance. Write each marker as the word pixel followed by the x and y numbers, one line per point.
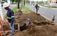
pixel 19 4
pixel 12 1
pixel 24 2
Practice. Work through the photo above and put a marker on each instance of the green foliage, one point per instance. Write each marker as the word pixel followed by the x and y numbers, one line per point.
pixel 14 9
pixel 24 8
pixel 13 0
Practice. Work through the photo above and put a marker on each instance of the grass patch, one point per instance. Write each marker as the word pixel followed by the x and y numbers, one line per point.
pixel 14 9
pixel 25 9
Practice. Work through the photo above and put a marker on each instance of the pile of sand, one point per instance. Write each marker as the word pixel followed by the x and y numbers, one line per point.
pixel 40 26
pixel 48 30
pixel 35 18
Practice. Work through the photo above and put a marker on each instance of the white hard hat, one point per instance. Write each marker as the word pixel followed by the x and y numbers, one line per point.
pixel 6 5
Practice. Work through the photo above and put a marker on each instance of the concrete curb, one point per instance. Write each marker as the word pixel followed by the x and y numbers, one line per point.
pixel 45 16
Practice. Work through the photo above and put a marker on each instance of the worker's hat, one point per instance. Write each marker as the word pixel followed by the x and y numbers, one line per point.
pixel 6 5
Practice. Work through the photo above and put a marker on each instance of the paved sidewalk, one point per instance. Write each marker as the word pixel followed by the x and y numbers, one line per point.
pixel 13 5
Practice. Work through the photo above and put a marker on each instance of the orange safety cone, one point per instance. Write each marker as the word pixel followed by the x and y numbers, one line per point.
pixel 1 22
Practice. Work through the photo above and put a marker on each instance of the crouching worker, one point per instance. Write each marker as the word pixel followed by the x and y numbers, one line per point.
pixel 10 17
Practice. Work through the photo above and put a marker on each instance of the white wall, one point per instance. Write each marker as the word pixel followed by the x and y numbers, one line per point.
pixel 8 1
pixel 1 13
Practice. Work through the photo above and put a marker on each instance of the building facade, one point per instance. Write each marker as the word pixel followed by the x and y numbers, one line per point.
pixel 52 2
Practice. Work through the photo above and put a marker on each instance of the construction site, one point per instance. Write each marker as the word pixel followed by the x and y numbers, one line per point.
pixel 37 26
pixel 28 23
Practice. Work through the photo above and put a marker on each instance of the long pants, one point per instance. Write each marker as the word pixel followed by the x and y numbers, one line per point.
pixel 11 25
pixel 11 28
pixel 37 10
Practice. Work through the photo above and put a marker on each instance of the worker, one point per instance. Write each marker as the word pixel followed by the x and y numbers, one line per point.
pixel 53 19
pixel 37 8
pixel 10 17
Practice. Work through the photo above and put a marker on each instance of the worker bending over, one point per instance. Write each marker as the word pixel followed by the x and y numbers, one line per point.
pixel 10 17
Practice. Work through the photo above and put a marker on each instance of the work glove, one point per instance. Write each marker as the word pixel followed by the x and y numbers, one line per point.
pixel 10 17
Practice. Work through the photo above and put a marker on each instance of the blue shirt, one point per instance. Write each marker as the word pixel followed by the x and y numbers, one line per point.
pixel 10 13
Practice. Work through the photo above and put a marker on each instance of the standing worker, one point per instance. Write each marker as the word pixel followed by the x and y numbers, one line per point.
pixel 10 17
pixel 37 8
pixel 53 19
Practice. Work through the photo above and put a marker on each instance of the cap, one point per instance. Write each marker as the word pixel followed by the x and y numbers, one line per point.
pixel 6 5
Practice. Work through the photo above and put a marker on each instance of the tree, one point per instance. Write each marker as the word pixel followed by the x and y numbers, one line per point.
pixel 18 3
pixel 12 1
pixel 24 2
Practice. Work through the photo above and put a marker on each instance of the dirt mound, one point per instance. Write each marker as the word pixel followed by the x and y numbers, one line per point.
pixel 47 30
pixel 40 26
pixel 35 18
pixel 42 31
